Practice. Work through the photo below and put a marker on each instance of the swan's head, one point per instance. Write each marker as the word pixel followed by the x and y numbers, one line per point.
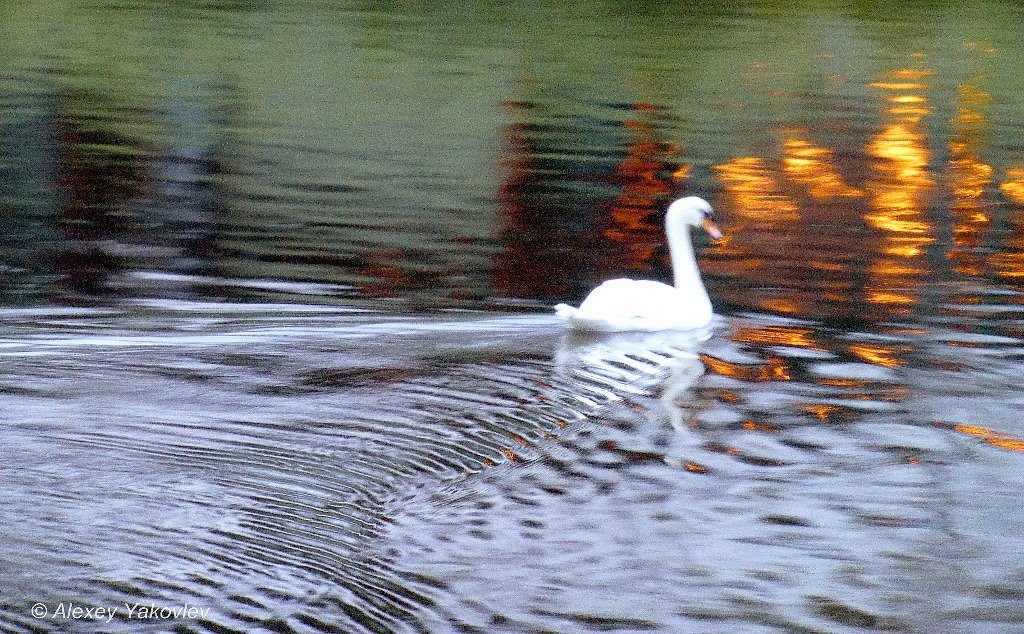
pixel 693 211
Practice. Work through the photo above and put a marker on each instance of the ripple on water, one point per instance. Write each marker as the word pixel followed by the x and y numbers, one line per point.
pixel 823 503
pixel 480 475
pixel 274 486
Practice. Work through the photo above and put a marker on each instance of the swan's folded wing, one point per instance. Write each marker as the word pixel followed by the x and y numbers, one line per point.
pixel 626 299
pixel 623 304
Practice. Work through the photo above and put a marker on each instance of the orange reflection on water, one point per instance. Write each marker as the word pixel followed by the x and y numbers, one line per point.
pixel 907 99
pixel 773 370
pixel 879 354
pixel 909 74
pixel 902 179
pixel 893 278
pixel 682 172
pixel 1013 186
pixel 1009 262
pixel 902 155
pixel 821 412
pixel 889 297
pixel 969 178
pixel 1003 441
pixel 645 181
pixel 896 85
pixel 864 390
pixel 777 336
pixel 755 190
pixel 899 190
pixel 786 305
pixel 814 167
pixel 859 384
pixel 753 425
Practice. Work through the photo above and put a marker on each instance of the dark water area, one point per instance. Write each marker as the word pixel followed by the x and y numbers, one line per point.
pixel 277 353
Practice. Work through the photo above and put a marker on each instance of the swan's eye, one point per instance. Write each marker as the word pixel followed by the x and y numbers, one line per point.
pixel 709 213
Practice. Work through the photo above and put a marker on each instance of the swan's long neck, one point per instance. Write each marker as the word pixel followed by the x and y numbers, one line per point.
pixel 684 264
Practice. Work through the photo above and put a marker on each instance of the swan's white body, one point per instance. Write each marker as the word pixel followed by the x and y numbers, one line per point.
pixel 623 304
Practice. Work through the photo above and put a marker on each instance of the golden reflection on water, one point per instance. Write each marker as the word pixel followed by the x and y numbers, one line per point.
pixel 899 191
pixel 896 197
pixel 1013 186
pixel 794 215
pixel 996 439
pixel 645 183
pixel 888 356
pixel 760 426
pixel 755 191
pixel 813 166
pixel 969 178
pixel 1009 262
pixel 774 202
pixel 794 337
pixel 755 197
pixel 822 412
pixel 806 183
pixel 902 179
pixel 774 369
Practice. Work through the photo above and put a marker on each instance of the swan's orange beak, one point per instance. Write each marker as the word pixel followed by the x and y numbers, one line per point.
pixel 711 228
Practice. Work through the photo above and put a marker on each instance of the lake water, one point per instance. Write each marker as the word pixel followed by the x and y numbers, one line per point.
pixel 276 351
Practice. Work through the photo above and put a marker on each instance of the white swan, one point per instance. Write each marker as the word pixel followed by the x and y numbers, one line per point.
pixel 623 304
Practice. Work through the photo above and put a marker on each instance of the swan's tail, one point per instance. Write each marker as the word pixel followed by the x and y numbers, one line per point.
pixel 578 321
pixel 566 312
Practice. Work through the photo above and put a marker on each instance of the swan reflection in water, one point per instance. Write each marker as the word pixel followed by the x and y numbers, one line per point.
pixel 608 367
